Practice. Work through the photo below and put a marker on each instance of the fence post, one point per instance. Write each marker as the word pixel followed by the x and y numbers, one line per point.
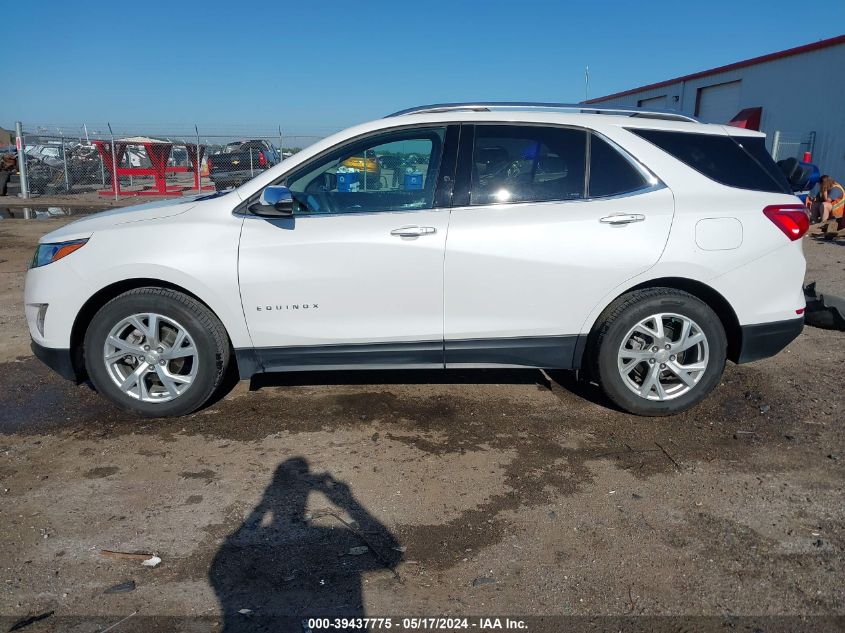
pixel 21 159
pixel 198 161
pixel 64 162
pixel 280 157
pixel 776 144
pixel 115 179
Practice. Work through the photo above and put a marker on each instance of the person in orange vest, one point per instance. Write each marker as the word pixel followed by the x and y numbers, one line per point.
pixel 832 195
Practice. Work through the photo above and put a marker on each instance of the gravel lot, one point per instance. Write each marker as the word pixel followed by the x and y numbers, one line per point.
pixel 472 493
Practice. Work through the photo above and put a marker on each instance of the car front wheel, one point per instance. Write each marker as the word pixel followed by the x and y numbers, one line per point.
pixel 660 351
pixel 156 352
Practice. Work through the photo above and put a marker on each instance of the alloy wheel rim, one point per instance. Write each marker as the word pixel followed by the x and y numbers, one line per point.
pixel 151 357
pixel 663 357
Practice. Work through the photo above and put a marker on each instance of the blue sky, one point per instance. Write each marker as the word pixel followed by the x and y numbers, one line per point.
pixel 314 67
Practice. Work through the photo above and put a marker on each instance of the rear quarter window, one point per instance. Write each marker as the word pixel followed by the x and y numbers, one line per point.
pixel 611 174
pixel 721 158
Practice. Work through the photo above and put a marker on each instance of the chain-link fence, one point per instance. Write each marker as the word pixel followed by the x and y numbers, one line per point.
pixel 110 162
pixel 785 145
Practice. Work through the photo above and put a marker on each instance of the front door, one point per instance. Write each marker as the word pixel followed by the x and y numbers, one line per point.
pixel 537 239
pixel 355 277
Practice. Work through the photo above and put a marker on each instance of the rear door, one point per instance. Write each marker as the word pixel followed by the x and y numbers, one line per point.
pixel 546 222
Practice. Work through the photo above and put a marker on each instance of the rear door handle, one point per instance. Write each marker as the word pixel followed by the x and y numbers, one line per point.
pixel 413 231
pixel 622 218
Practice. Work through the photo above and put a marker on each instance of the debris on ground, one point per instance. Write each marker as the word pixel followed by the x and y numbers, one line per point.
pixel 358 551
pixel 122 587
pixel 245 611
pixel 823 310
pixel 671 459
pixel 147 560
pixel 32 619
pixel 483 580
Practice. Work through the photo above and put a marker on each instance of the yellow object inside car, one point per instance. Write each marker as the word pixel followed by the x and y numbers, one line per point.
pixel 370 165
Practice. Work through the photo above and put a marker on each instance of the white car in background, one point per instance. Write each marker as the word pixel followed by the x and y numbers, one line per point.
pixel 643 248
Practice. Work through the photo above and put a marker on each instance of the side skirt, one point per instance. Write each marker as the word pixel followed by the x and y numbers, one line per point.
pixel 548 352
pixel 545 352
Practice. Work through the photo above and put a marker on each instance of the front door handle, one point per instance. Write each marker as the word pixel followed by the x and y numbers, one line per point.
pixel 413 231
pixel 622 218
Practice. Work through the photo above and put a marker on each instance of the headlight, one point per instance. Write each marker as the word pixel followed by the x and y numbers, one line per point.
pixel 49 253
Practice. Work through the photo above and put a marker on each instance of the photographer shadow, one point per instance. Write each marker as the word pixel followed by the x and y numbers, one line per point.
pixel 282 566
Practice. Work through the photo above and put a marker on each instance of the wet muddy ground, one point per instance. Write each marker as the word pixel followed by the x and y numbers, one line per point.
pixel 473 493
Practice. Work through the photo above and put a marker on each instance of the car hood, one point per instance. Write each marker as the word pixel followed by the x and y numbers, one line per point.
pixel 85 227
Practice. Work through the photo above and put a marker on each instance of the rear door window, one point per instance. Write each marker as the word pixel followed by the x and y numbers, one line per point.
pixel 526 163
pixel 720 158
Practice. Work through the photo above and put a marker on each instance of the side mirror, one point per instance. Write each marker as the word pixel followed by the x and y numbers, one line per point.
pixel 275 202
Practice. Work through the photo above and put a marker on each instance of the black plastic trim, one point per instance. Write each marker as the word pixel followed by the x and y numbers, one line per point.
pixel 446 173
pixel 558 352
pixel 548 352
pixel 463 173
pixel 409 355
pixel 58 359
pixel 767 339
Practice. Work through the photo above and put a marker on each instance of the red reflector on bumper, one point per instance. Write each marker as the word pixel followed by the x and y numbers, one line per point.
pixel 801 311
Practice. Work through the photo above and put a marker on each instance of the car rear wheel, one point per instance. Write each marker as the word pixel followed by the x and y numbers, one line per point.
pixel 156 352
pixel 659 351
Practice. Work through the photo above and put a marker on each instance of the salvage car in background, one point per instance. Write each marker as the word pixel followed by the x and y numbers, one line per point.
pixel 240 162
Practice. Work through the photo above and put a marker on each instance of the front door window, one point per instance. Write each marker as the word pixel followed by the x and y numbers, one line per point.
pixel 391 172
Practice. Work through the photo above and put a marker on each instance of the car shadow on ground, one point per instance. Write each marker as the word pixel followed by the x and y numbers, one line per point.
pixel 545 379
pixel 285 562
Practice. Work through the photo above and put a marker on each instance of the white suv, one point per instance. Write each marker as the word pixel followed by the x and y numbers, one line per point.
pixel 641 248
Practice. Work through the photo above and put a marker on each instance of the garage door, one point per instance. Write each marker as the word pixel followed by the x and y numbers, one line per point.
pixel 719 103
pixel 655 102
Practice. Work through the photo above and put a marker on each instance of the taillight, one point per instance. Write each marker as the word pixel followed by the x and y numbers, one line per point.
pixel 790 218
pixel 262 159
pixel 208 163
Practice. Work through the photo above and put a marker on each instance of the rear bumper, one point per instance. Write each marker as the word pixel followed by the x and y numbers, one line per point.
pixel 767 339
pixel 59 360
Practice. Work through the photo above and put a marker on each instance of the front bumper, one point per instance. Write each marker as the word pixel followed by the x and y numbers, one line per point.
pixel 59 360
pixel 767 339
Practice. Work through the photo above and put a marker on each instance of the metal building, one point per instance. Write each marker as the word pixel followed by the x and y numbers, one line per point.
pixel 796 96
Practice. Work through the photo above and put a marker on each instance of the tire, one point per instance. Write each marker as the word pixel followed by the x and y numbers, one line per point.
pixel 178 374
pixel 627 373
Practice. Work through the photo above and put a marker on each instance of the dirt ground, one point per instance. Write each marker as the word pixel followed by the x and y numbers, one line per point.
pixel 413 493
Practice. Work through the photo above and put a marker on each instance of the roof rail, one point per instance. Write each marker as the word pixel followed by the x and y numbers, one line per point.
pixel 486 106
